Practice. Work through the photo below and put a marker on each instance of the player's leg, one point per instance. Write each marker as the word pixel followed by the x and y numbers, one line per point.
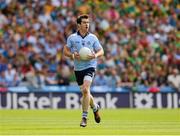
pixel 84 85
pixel 85 100
pixel 84 79
pixel 86 95
pixel 93 105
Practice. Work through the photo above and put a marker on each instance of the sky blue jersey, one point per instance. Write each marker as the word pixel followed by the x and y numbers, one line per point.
pixel 75 42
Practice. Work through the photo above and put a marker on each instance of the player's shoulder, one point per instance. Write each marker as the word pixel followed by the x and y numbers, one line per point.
pixel 92 35
pixel 73 35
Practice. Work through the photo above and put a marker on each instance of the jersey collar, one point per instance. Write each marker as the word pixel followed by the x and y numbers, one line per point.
pixel 81 35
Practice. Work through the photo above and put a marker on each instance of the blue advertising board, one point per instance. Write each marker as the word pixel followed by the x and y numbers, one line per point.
pixel 71 100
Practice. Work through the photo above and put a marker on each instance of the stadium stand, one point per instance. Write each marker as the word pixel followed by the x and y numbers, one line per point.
pixel 140 39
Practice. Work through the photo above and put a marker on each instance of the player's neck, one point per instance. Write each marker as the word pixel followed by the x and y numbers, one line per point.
pixel 83 33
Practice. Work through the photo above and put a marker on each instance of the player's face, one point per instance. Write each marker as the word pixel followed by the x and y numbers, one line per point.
pixel 84 24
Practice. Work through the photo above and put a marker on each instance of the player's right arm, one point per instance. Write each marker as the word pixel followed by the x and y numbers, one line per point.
pixel 68 49
pixel 69 54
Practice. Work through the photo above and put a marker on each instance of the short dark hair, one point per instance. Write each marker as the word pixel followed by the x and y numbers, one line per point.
pixel 79 18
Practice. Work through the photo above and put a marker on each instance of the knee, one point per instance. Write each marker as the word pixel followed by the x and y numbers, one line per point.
pixel 85 90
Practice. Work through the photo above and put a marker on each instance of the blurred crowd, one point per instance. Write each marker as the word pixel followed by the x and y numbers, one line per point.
pixel 140 39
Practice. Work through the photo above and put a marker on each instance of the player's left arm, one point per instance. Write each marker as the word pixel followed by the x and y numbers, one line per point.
pixel 98 50
pixel 96 54
pixel 99 53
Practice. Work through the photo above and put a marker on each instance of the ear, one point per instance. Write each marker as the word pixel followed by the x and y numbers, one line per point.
pixel 78 25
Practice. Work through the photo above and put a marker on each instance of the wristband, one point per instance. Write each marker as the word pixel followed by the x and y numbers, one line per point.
pixel 72 56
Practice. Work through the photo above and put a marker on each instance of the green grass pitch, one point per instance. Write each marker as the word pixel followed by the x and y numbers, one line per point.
pixel 114 122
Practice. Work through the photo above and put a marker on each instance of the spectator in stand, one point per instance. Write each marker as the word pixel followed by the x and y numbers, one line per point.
pixel 113 79
pixel 11 76
pixel 100 78
pixel 63 75
pixel 51 78
pixel 174 78
pixel 3 82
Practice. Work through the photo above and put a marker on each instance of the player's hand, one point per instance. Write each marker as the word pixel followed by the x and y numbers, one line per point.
pixel 92 56
pixel 76 56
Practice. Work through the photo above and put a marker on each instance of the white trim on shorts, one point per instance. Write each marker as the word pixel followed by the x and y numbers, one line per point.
pixel 88 78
